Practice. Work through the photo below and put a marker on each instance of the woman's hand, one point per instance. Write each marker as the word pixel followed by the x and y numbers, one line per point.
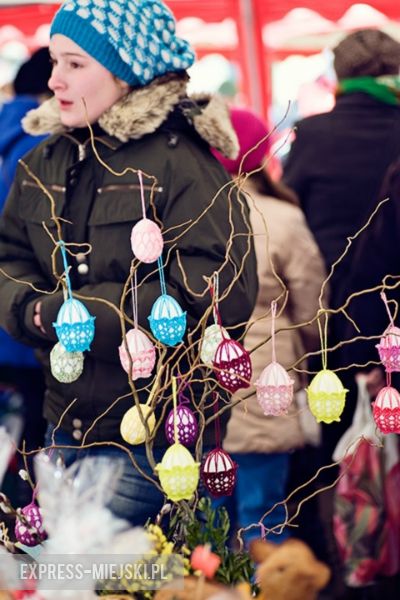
pixel 37 320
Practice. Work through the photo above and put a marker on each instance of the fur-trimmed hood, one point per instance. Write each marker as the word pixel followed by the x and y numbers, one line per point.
pixel 144 110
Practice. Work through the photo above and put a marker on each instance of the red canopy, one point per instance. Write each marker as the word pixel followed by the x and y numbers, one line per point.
pixel 250 17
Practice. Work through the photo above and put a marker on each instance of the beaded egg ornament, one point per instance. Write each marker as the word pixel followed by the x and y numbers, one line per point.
pixel 146 237
pixel 214 334
pixel 23 532
pixel 74 325
pixel 167 319
pixel 326 394
pixel 178 471
pixel 218 471
pixel 386 408
pixel 184 420
pixel 137 353
pixel 132 427
pixel 389 345
pixel 232 365
pixel 274 386
pixel 231 362
pixel 65 366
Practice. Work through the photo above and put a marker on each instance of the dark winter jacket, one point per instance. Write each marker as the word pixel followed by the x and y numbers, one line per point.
pixel 337 164
pixel 377 252
pixel 151 129
pixel 14 143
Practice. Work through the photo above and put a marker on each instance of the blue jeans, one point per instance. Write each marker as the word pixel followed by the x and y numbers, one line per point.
pixel 261 483
pixel 135 499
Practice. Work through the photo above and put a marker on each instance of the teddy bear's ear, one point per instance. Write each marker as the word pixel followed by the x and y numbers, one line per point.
pixel 260 550
pixel 319 575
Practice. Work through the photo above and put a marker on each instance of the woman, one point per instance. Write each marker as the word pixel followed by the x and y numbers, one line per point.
pixel 119 66
pixel 287 255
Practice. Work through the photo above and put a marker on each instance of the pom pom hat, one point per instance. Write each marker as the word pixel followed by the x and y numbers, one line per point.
pixel 254 142
pixel 133 39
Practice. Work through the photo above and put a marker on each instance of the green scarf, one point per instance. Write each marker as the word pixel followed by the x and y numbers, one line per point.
pixel 385 88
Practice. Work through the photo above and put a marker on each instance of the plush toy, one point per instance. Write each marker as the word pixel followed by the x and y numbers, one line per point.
pixel 288 571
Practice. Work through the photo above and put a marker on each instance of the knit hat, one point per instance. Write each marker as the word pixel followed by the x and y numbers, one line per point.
pixel 367 52
pixel 33 75
pixel 250 129
pixel 134 39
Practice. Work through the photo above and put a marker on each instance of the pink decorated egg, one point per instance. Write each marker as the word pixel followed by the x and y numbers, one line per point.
pixel 389 349
pixel 146 241
pixel 386 410
pixel 141 351
pixel 274 390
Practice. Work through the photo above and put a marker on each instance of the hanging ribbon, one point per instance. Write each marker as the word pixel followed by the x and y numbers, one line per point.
pixel 162 278
pixel 66 267
pixel 142 194
pixel 176 438
pixel 217 423
pixel 385 300
pixel 323 336
pixel 134 300
pixel 273 317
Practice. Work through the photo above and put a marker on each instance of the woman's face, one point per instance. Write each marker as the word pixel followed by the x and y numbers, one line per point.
pixel 76 76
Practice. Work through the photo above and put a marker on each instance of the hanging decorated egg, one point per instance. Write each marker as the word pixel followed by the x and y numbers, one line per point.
pixel 178 473
pixel 147 241
pixel 186 426
pixel 386 410
pixel 167 320
pixel 326 396
pixel 141 351
pixel 213 336
pixel 23 533
pixel 274 390
pixel 219 473
pixel 389 349
pixel 232 365
pixel 132 429
pixel 74 326
pixel 65 366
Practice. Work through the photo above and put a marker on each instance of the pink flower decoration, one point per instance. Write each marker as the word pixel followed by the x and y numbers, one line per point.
pixel 204 560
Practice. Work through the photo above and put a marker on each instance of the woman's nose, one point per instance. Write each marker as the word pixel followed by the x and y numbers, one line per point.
pixel 56 81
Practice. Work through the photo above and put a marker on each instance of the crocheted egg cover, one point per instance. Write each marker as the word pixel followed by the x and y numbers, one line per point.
pixel 186 423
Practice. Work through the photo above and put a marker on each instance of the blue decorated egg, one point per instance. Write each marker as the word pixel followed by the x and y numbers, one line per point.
pixel 167 320
pixel 74 326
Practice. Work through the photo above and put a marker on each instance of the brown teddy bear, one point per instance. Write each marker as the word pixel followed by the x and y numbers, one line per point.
pixel 288 571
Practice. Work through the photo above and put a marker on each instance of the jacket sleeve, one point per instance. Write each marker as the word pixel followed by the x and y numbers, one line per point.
pixel 304 273
pixel 18 262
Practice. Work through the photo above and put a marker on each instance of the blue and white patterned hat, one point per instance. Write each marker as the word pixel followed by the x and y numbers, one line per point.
pixel 134 39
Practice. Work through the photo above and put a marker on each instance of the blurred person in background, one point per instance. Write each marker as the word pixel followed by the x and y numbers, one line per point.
pixel 19 369
pixel 286 252
pixel 336 165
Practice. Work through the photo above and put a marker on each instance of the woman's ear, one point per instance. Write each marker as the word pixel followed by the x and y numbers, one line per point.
pixel 125 87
